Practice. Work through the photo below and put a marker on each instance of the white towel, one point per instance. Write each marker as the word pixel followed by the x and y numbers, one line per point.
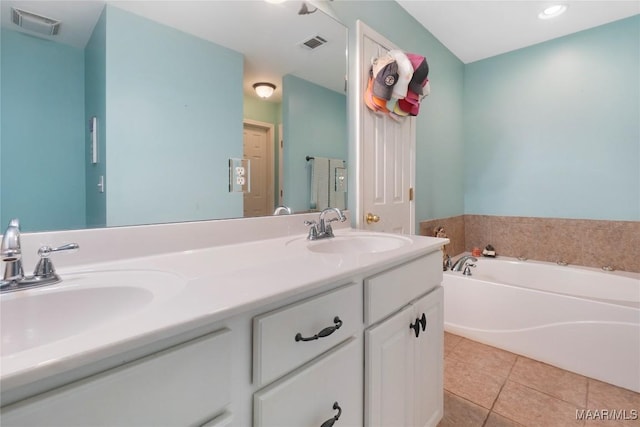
pixel 319 183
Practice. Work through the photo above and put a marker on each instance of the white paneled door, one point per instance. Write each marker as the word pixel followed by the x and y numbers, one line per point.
pixel 258 148
pixel 387 151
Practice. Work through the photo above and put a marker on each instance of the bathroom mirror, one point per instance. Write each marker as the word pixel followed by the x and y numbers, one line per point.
pixel 169 84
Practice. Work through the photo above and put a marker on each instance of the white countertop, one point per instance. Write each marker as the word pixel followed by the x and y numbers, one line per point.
pixel 207 285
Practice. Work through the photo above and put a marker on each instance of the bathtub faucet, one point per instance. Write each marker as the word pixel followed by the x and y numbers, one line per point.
pixel 460 263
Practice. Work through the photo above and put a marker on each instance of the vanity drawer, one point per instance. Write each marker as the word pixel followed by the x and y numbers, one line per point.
pixel 390 290
pixel 275 349
pixel 183 385
pixel 306 398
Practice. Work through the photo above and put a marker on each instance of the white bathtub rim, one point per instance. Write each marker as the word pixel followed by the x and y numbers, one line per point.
pixel 621 273
pixel 630 303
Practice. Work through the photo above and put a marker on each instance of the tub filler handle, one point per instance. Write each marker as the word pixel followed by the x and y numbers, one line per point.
pixel 467 269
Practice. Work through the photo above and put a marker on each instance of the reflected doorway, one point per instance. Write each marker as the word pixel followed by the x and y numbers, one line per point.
pixel 258 148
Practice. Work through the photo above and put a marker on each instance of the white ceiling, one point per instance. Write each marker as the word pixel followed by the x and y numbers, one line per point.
pixel 268 35
pixel 479 29
pixel 472 29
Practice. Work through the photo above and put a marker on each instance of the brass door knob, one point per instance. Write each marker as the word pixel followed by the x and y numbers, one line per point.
pixel 372 218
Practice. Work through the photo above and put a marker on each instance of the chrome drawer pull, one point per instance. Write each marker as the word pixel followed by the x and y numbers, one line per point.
pixel 330 421
pixel 323 333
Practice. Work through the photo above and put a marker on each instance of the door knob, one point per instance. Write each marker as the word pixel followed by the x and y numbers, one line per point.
pixel 372 218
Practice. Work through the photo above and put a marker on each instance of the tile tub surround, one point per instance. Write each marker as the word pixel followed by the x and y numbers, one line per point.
pixel 591 243
pixel 487 386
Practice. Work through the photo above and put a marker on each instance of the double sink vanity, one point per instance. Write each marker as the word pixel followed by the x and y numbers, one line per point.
pixel 227 323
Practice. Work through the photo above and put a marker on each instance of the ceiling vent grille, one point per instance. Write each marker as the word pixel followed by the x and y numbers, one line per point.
pixel 314 42
pixel 34 22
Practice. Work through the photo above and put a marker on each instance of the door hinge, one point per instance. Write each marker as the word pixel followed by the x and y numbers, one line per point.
pixel 410 194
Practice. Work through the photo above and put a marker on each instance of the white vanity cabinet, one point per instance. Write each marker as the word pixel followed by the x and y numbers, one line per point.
pixel 331 342
pixel 188 384
pixel 313 351
pixel 403 352
pixel 286 338
pixel 329 387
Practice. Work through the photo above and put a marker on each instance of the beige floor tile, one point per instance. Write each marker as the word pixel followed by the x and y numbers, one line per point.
pixel 618 402
pixel 532 408
pixel 471 383
pixel 488 359
pixel 496 420
pixel 459 412
pixel 450 342
pixel 553 381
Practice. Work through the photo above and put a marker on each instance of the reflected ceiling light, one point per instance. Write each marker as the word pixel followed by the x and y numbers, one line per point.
pixel 264 89
pixel 552 11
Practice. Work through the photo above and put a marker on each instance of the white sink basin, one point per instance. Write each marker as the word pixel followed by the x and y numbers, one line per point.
pixel 39 316
pixel 358 243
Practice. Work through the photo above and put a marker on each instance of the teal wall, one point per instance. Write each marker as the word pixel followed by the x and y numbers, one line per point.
pixel 315 124
pixel 42 133
pixel 553 130
pixel 439 135
pixel 162 86
pixel 95 105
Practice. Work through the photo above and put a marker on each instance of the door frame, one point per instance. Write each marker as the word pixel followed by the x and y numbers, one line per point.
pixel 362 67
pixel 269 127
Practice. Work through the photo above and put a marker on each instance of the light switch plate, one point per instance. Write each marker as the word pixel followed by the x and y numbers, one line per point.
pixel 239 175
pixel 341 180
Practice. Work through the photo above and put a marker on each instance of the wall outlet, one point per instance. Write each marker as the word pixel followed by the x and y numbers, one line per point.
pixel 239 170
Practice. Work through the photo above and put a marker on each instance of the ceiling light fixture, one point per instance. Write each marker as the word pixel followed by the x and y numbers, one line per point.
pixel 553 11
pixel 275 1
pixel 264 89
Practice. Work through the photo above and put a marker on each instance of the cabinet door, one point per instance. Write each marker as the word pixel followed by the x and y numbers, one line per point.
pixel 388 372
pixel 306 397
pixel 182 385
pixel 428 365
pixel 403 372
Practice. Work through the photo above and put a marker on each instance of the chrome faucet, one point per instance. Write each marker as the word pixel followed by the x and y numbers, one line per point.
pixel 322 229
pixel 460 263
pixel 282 210
pixel 11 253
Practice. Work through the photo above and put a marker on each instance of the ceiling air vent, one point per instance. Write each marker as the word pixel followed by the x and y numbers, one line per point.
pixel 34 22
pixel 314 42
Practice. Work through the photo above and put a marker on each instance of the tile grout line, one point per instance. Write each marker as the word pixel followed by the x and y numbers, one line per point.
pixel 500 391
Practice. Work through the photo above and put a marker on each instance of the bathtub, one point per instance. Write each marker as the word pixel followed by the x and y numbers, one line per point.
pixel 581 319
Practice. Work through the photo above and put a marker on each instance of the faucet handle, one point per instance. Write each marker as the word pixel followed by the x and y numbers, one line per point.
pixel 44 268
pixel 313 231
pixel 46 251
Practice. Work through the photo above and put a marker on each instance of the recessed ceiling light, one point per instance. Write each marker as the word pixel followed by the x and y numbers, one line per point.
pixel 553 11
pixel 275 1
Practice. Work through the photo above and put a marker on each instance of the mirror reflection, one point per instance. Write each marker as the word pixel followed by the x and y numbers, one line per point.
pixel 131 113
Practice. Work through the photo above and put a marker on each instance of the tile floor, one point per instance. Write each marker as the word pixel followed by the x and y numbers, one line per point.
pixel 486 386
